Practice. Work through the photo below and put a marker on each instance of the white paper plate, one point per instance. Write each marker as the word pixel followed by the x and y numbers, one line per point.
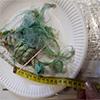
pixel 68 20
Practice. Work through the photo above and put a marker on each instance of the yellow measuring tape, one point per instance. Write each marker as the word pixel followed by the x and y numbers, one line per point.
pixel 48 80
pixel 52 80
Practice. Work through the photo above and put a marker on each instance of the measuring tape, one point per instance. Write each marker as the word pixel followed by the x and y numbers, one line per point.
pixel 52 80
pixel 48 80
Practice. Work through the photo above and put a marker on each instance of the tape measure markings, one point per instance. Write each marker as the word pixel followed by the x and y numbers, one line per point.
pixel 48 80
pixel 52 80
